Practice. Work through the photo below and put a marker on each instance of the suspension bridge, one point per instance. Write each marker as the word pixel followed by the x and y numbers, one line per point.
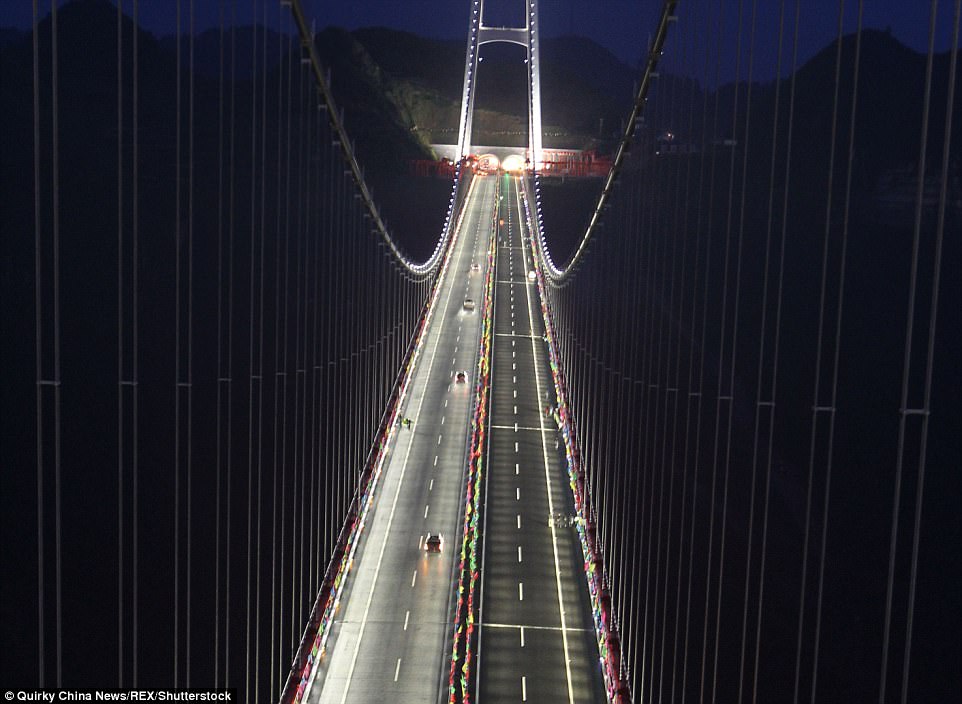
pixel 711 454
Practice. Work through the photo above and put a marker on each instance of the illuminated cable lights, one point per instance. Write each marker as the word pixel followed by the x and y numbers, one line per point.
pixel 336 118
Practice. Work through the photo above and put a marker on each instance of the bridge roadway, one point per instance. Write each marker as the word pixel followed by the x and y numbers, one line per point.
pixel 536 636
pixel 391 639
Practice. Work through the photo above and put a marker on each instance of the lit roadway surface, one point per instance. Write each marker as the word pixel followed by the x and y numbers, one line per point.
pixel 391 637
pixel 536 637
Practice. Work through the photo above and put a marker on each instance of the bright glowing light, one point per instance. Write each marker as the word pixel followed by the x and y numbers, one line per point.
pixel 513 163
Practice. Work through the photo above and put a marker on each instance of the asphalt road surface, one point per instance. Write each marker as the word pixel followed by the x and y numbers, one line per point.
pixel 391 638
pixel 536 636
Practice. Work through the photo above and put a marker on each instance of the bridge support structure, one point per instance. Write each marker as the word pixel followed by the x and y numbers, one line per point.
pixel 526 36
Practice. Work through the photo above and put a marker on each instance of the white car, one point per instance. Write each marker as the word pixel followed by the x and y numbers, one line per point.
pixel 469 304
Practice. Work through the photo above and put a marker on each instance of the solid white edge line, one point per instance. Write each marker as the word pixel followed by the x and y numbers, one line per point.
pixel 547 473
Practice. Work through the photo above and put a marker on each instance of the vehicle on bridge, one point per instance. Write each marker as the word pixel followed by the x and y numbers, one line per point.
pixel 461 377
pixel 469 304
pixel 434 542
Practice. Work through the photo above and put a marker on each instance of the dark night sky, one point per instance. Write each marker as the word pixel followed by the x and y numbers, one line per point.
pixel 620 25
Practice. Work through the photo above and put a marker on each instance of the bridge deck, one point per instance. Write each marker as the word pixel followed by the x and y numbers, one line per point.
pixel 390 640
pixel 536 637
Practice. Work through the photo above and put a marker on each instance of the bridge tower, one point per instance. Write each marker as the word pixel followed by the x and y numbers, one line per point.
pixel 526 36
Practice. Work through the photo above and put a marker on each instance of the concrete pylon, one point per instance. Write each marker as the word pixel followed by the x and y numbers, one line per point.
pixel 528 37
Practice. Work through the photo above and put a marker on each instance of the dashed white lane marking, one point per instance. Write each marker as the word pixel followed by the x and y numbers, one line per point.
pixel 414 578
pixel 544 451
pixel 426 510
pixel 439 439
pixel 514 379
pixel 445 403
pixel 516 393
pixel 435 460
pixel 516 410
pixel 516 447
pixel 519 521
pixel 407 615
pixel 442 420
pixel 517 493
pixel 520 591
pixel 397 669
pixel 513 366
pixel 519 553
pixel 522 636
pixel 431 485
pixel 517 468
pixel 420 541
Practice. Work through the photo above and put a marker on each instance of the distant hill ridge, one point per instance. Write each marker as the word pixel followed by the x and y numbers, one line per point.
pixel 401 92
pixel 421 80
